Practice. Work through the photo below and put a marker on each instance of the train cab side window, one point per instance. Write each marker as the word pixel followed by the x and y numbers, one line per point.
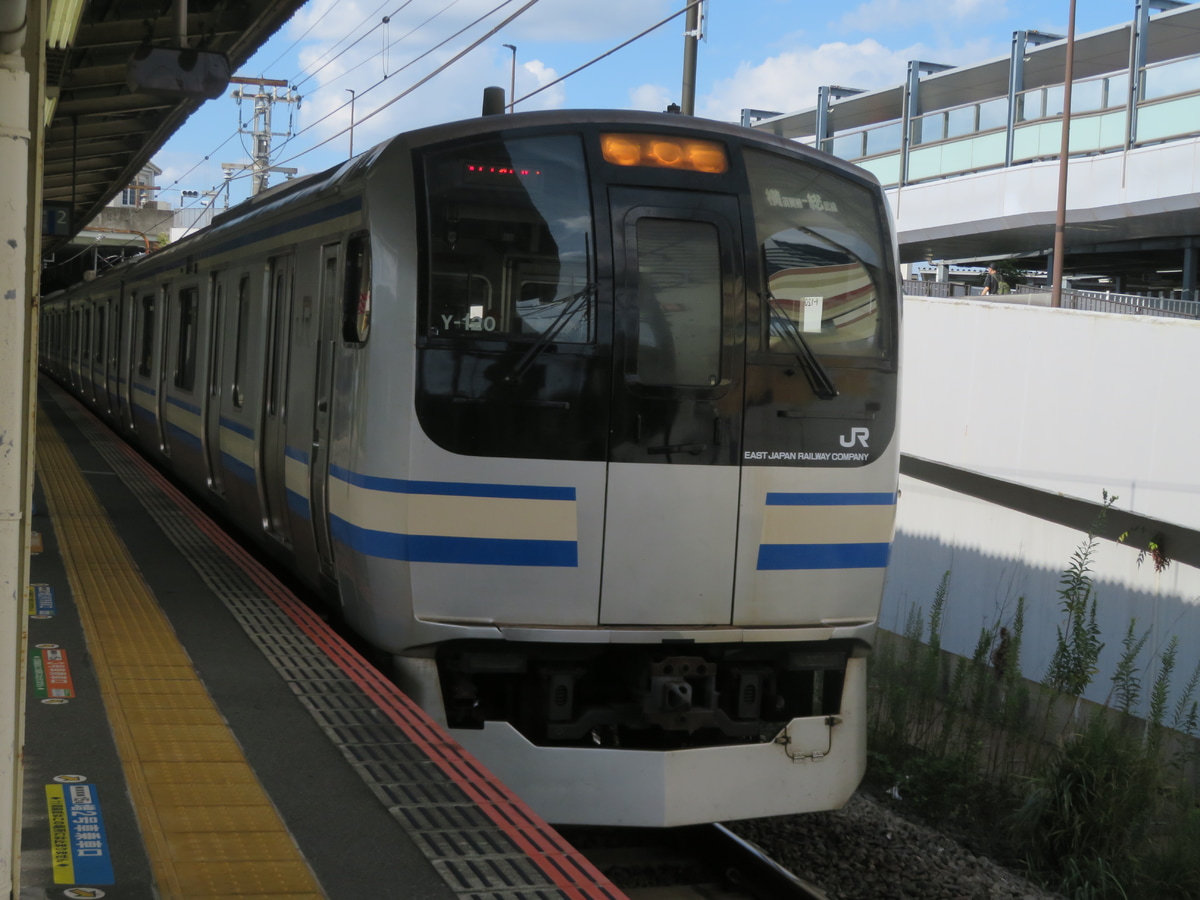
pixel 509 238
pixel 146 346
pixel 185 351
pixel 679 303
pixel 356 306
pixel 826 256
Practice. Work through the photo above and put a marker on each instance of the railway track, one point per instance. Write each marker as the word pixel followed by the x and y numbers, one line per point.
pixel 700 862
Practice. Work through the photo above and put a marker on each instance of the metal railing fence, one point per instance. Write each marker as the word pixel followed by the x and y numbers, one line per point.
pixel 1094 301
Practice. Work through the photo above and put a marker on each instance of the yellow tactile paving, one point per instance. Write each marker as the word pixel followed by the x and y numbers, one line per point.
pixel 210 830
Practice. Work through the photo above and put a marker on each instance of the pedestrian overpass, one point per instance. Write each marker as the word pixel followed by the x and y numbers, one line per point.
pixel 970 155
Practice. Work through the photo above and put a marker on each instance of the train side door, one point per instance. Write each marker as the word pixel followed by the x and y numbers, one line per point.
pixel 161 357
pixel 130 365
pixel 100 365
pixel 675 435
pixel 273 434
pixel 327 338
pixel 212 393
pixel 113 353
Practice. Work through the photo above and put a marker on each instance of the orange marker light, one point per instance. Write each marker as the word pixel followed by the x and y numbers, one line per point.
pixel 661 152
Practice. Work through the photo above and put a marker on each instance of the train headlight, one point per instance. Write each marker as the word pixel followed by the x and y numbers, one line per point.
pixel 661 152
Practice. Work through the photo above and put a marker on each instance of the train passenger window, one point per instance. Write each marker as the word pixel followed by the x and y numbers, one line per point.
pixel 822 242
pixel 356 307
pixel 185 351
pixel 509 241
pixel 242 318
pixel 679 303
pixel 216 325
pixel 114 348
pixel 85 358
pixel 280 322
pixel 101 337
pixel 146 347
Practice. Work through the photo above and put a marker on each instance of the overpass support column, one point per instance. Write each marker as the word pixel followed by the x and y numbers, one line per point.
pixel 912 107
pixel 1016 81
pixel 1190 256
pixel 1137 58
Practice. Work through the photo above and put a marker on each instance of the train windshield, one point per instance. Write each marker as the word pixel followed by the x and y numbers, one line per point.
pixel 510 234
pixel 823 246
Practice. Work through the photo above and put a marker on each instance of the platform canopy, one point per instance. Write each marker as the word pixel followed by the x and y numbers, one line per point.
pixel 117 88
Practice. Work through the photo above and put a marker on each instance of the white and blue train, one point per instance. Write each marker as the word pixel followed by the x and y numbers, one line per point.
pixel 587 419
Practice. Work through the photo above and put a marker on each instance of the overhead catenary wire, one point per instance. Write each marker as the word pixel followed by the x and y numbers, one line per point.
pixel 425 79
pixel 385 52
pixel 416 85
pixel 404 93
pixel 317 21
pixel 380 24
pixel 608 53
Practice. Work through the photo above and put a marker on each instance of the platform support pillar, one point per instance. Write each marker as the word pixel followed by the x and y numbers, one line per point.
pixel 20 246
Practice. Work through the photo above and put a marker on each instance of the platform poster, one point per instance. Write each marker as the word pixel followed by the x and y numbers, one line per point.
pixel 78 843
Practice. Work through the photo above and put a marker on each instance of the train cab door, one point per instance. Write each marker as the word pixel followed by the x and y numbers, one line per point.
pixel 677 392
pixel 273 441
pixel 318 468
pixel 212 388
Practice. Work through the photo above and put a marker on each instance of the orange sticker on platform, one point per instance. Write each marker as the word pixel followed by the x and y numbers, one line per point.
pixel 57 673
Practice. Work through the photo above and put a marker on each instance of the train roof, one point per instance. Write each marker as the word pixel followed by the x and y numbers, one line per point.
pixel 338 176
pixel 483 125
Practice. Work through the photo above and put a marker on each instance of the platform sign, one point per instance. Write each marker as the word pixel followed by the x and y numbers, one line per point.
pixel 78 842
pixel 56 219
pixel 52 674
pixel 41 601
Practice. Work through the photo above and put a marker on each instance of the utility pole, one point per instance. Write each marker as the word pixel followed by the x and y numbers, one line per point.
pixel 691 36
pixel 261 133
pixel 1060 220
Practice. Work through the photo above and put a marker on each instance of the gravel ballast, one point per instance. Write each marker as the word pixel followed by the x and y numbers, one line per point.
pixel 865 851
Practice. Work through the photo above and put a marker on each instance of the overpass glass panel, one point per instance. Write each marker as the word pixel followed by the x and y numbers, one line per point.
pixel 1181 76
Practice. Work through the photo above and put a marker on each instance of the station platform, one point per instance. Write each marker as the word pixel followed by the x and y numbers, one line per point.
pixel 193 730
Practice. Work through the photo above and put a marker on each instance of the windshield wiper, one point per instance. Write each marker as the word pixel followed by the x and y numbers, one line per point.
pixel 818 376
pixel 573 305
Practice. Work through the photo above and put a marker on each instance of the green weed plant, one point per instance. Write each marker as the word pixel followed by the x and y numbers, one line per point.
pixel 1100 804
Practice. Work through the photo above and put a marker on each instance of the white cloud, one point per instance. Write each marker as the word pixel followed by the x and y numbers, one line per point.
pixel 789 81
pixel 531 76
pixel 650 97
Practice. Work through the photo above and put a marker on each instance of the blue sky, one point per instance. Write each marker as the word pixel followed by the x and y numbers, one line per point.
pixel 764 54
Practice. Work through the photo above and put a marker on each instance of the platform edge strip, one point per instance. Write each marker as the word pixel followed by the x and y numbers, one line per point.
pixel 552 858
pixel 82 523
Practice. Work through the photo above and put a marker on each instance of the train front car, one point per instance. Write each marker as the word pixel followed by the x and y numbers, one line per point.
pixel 630 545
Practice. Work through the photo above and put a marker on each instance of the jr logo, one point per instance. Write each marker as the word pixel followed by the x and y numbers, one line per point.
pixel 856 436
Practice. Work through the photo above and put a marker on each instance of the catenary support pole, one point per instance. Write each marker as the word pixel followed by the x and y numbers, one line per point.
pixel 691 37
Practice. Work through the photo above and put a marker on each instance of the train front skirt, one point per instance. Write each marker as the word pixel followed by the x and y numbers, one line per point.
pixel 815 763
